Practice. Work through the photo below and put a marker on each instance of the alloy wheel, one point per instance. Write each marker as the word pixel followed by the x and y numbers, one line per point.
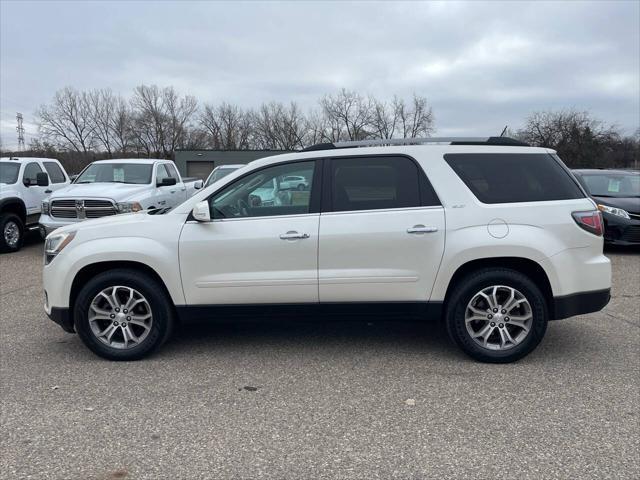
pixel 498 317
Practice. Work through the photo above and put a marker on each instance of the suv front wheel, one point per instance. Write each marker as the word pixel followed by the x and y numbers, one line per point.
pixel 496 315
pixel 123 315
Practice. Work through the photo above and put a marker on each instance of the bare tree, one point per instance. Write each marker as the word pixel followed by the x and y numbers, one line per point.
pixel 122 126
pixel 577 137
pixel 228 126
pixel 278 127
pixel 161 118
pixel 68 122
pixel 348 115
pixel 102 108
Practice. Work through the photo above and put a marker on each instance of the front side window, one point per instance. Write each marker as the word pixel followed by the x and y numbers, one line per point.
pixel 161 174
pixel 55 172
pixel 377 183
pixel 171 170
pixel 31 173
pixel 134 173
pixel 219 173
pixel 514 177
pixel 264 193
pixel 9 172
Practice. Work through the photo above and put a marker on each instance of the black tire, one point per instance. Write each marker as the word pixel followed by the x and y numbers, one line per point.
pixel 5 219
pixel 473 283
pixel 154 293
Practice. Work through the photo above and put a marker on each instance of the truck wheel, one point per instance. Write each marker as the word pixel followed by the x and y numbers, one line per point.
pixel 11 232
pixel 123 314
pixel 496 315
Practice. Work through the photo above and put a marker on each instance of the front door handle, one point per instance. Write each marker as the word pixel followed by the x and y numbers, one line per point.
pixel 48 191
pixel 419 229
pixel 293 235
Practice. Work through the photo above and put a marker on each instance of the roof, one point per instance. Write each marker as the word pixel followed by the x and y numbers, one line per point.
pixel 380 142
pixel 25 159
pixel 141 161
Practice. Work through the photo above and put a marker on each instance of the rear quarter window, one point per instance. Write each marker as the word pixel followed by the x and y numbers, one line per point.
pixel 514 177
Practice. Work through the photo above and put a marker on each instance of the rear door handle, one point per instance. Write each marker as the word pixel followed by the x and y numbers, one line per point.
pixel 419 229
pixel 293 235
pixel 48 191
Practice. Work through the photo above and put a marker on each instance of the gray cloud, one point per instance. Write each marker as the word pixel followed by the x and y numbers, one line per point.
pixel 482 65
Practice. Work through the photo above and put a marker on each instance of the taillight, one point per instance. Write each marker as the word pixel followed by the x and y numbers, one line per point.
pixel 590 221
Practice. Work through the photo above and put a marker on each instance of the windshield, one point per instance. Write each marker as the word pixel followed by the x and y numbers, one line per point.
pixel 219 173
pixel 9 172
pixel 607 184
pixel 116 173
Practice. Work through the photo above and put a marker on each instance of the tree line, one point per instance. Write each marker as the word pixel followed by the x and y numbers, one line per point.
pixel 80 126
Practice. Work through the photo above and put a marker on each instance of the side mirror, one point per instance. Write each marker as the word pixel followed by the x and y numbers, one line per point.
pixel 201 212
pixel 198 185
pixel 166 182
pixel 42 179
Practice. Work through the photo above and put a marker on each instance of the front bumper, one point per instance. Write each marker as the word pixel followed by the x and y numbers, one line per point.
pixel 620 231
pixel 579 303
pixel 49 224
pixel 62 317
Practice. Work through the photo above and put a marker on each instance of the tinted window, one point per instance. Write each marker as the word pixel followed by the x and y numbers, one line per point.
pixel 264 193
pixel 514 177
pixel 55 172
pixel 31 171
pixel 9 172
pixel 378 183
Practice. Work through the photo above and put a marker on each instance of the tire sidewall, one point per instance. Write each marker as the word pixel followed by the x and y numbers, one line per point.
pixel 472 285
pixel 153 293
pixel 4 219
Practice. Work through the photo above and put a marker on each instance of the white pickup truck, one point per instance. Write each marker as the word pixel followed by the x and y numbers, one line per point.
pixel 24 183
pixel 109 187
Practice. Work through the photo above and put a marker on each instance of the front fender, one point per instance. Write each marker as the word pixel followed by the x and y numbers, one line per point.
pixel 161 257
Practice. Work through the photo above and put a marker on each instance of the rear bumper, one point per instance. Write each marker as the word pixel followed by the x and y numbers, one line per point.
pixel 579 303
pixel 62 317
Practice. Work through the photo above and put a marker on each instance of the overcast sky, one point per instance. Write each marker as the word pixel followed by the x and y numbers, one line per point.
pixel 482 65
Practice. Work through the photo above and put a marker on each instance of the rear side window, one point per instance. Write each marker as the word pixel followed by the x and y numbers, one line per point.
pixel 378 183
pixel 55 172
pixel 514 177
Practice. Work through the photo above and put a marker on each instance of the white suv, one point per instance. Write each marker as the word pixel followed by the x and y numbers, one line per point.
pixel 491 235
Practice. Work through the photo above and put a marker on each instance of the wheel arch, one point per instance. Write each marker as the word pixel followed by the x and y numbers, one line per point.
pixel 526 266
pixel 14 205
pixel 91 270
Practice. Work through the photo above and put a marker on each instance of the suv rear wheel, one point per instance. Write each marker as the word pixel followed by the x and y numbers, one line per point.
pixel 496 315
pixel 123 315
pixel 11 232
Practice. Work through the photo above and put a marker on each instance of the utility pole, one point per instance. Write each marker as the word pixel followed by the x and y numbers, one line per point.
pixel 20 130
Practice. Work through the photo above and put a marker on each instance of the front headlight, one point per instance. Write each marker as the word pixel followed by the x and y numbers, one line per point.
pixel 614 211
pixel 45 208
pixel 54 244
pixel 128 207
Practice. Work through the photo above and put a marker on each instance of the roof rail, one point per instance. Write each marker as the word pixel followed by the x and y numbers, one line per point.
pixel 381 142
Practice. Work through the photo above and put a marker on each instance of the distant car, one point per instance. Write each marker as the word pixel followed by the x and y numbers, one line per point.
pixel 24 183
pixel 294 182
pixel 617 193
pixel 110 187
pixel 221 172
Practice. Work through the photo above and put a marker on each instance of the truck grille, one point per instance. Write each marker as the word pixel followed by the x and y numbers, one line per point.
pixel 81 209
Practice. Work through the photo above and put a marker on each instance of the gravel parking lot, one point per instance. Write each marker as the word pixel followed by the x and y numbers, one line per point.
pixel 295 400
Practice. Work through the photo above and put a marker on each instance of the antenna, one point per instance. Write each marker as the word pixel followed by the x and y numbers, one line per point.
pixel 504 130
pixel 20 130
